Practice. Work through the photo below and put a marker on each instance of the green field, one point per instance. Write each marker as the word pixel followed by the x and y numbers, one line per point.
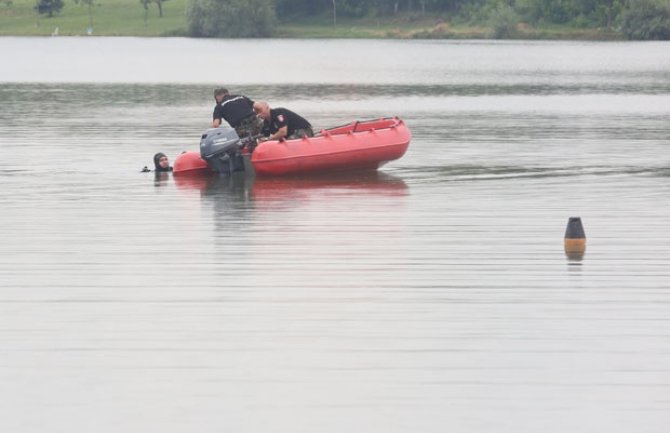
pixel 127 18
pixel 110 18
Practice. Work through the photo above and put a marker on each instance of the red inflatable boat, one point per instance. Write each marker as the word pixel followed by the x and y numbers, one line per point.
pixel 359 145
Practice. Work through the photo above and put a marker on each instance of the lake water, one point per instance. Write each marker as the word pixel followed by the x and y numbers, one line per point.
pixel 431 296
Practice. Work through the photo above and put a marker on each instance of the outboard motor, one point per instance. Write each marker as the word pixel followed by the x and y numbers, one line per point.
pixel 220 147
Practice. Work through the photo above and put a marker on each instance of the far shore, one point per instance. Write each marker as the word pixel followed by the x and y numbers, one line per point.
pixel 111 20
pixel 351 31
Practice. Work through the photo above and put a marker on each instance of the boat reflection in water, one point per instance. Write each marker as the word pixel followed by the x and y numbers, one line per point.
pixel 244 187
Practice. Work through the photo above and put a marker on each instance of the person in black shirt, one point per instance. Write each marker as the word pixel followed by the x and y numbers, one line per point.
pixel 237 110
pixel 281 123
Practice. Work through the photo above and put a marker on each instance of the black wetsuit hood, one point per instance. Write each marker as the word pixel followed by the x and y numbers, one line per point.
pixel 157 164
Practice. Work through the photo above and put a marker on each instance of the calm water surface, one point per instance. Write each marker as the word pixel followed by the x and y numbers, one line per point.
pixel 431 296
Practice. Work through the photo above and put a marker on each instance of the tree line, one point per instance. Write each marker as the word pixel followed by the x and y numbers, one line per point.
pixel 635 19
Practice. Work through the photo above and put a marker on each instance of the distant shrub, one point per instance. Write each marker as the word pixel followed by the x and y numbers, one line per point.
pixel 48 7
pixel 647 20
pixel 503 21
pixel 230 18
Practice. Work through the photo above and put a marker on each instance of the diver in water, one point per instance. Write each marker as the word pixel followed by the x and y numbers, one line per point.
pixel 161 164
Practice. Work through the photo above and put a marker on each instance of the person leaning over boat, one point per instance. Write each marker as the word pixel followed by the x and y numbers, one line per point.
pixel 237 110
pixel 280 123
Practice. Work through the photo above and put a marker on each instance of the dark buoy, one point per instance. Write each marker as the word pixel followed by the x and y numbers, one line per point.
pixel 575 239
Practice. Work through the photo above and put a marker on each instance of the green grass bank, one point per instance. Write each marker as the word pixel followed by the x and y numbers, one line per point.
pixel 127 18
pixel 109 18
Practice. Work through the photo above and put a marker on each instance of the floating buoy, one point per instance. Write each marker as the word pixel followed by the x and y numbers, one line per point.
pixel 575 239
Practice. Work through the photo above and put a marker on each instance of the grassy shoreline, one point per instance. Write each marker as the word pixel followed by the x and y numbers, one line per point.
pixel 127 18
pixel 431 28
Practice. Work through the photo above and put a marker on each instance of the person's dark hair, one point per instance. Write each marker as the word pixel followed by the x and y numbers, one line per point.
pixel 157 163
pixel 220 91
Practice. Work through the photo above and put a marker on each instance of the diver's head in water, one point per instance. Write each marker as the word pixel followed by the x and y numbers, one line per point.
pixel 161 162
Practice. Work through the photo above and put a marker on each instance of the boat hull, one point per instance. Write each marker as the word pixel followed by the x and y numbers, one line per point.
pixel 356 146
pixel 190 163
pixel 365 145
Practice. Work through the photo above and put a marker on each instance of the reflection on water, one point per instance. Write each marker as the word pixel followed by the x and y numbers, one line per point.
pixel 433 295
pixel 243 186
pixel 574 257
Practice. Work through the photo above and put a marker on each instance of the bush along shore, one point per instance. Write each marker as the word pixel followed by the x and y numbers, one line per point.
pixel 442 19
